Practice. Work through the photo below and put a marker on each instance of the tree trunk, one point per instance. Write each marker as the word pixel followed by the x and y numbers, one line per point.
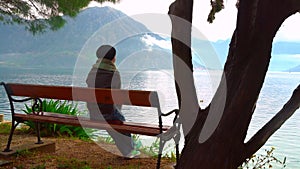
pixel 244 74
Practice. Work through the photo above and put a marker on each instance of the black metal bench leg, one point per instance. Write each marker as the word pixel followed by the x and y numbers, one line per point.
pixel 176 140
pixel 177 154
pixel 158 161
pixel 161 147
pixel 12 129
pixel 38 132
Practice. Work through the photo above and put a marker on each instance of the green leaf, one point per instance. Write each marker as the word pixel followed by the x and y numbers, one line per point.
pixel 23 12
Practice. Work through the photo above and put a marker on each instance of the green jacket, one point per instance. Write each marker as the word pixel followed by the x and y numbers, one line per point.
pixel 103 74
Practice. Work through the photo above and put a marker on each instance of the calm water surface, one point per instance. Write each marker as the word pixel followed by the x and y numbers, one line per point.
pixel 277 89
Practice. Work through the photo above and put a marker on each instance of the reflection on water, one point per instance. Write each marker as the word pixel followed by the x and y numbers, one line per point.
pixel 30 76
pixel 276 91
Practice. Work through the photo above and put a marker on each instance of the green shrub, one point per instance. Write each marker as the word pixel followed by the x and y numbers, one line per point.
pixel 263 161
pixel 50 129
pixel 151 150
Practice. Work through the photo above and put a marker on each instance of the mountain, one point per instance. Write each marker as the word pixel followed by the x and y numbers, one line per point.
pixel 291 48
pixel 285 55
pixel 294 69
pixel 61 48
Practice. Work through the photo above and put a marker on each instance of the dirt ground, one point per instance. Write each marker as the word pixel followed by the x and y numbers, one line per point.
pixel 73 154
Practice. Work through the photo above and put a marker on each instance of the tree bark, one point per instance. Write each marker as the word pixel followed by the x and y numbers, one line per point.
pixel 244 73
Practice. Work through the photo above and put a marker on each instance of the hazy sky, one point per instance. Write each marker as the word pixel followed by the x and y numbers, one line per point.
pixel 221 29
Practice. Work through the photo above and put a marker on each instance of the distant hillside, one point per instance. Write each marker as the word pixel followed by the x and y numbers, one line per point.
pixel 19 47
pixel 286 48
pixel 284 54
pixel 14 39
pixel 294 69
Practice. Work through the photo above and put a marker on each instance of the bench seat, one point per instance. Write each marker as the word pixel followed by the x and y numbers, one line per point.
pixel 129 127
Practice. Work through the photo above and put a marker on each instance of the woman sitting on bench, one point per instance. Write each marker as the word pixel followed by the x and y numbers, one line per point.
pixel 104 74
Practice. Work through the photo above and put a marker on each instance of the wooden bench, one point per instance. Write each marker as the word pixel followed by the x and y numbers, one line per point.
pixel 30 92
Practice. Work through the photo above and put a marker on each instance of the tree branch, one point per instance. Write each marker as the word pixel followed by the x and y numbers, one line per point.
pixel 249 59
pixel 181 12
pixel 261 137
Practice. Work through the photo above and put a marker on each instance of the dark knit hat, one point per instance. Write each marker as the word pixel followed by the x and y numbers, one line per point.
pixel 106 51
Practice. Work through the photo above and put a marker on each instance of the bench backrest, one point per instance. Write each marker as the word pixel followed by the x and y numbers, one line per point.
pixel 104 96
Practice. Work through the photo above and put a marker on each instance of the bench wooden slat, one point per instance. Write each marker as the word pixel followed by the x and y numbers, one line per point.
pixel 93 95
pixel 164 128
pixel 135 128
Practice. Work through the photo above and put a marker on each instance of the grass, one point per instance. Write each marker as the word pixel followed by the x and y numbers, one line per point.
pixel 25 152
pixel 5 128
pixel 73 163
pixel 62 162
